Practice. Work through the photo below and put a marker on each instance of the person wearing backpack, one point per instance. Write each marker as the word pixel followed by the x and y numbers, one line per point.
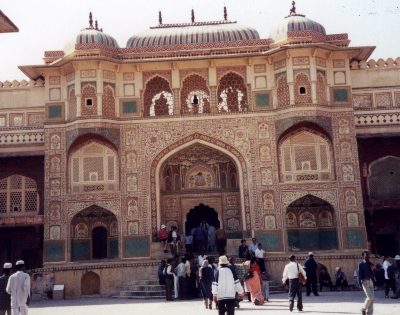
pixel 390 276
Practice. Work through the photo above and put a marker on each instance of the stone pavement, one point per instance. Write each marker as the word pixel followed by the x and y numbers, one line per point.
pixel 327 303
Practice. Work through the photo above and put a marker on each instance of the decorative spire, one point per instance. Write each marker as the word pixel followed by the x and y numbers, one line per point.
pixel 96 25
pixel 225 13
pixel 293 9
pixel 90 20
pixel 192 16
pixel 159 17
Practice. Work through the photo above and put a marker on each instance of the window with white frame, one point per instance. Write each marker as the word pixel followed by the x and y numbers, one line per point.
pixel 18 194
pixel 93 168
pixel 305 156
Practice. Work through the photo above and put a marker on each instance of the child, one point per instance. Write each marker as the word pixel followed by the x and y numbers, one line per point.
pixel 265 277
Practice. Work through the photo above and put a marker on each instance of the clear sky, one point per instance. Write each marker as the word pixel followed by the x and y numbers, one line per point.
pixel 50 24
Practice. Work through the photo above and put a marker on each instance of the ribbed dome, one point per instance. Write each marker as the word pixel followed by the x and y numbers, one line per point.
pixel 192 33
pixel 296 23
pixel 94 36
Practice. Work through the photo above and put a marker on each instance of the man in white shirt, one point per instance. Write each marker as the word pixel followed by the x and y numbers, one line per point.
pixel 225 286
pixel 260 255
pixel 291 273
pixel 19 287
pixel 181 273
pixel 390 280
pixel 201 258
pixel 253 246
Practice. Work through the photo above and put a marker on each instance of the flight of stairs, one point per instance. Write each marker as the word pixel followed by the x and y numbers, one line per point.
pixel 151 290
pixel 142 290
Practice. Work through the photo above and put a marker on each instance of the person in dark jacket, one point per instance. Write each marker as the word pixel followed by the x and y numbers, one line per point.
pixel 206 278
pixel 325 280
pixel 311 267
pixel 366 281
pixel 5 298
pixel 243 249
pixel 161 272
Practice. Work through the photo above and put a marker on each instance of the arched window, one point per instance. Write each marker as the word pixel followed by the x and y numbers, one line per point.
pixel 158 98
pixel 305 156
pixel 232 93
pixel 384 179
pixel 18 194
pixel 93 168
pixel 195 95
pixel 310 223
pixel 108 100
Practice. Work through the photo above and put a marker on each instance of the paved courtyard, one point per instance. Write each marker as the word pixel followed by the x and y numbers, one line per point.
pixel 327 303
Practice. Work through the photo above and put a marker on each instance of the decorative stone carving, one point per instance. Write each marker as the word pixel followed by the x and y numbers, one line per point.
pixel 133 227
pixel 266 176
pixel 270 223
pixel 131 183
pixel 55 142
pixel 55 232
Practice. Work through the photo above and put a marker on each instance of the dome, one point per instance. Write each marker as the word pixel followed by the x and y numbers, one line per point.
pixel 92 35
pixel 296 25
pixel 95 36
pixel 193 33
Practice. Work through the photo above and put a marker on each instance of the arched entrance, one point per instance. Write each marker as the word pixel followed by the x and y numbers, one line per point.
pixel 90 283
pixel 199 174
pixel 99 242
pixel 199 214
pixel 94 234
pixel 310 223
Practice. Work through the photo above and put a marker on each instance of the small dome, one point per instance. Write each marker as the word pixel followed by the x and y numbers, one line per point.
pixel 95 36
pixel 192 33
pixel 296 25
pixel 92 35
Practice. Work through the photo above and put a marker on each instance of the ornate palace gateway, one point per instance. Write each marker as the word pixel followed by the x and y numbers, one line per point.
pixel 293 139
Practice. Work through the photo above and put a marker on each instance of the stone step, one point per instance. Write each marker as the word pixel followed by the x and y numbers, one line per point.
pixel 143 282
pixel 142 293
pixel 140 297
pixel 133 287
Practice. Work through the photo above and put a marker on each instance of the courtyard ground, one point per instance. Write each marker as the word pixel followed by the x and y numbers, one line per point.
pixel 326 303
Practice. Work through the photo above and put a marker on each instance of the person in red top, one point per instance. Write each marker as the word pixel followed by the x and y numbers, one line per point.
pixel 254 283
pixel 163 236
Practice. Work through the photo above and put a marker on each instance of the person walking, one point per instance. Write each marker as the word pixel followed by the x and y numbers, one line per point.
pixel 366 281
pixel 5 298
pixel 292 273
pixel 220 240
pixel 19 287
pixel 390 277
pixel 260 256
pixel 225 286
pixel 397 260
pixel 169 280
pixel 211 238
pixel 206 278
pixel 201 238
pixel 163 237
pixel 311 267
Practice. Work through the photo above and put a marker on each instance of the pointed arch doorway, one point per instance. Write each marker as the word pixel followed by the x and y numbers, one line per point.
pixel 199 214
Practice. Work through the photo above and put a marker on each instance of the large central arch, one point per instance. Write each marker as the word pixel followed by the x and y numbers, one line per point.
pixel 209 142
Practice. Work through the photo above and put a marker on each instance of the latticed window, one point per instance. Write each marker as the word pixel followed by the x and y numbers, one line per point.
pixel 18 194
pixel 305 156
pixel 93 168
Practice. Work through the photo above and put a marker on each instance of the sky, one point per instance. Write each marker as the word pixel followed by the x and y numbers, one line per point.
pixel 51 24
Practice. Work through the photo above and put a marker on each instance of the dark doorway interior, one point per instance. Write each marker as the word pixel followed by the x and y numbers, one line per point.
pixel 99 239
pixel 386 244
pixel 197 214
pixel 22 243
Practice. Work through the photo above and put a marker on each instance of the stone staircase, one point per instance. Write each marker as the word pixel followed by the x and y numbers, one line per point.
pixel 142 290
pixel 151 290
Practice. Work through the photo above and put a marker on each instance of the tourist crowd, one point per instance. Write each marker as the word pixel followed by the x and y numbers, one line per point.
pixel 226 282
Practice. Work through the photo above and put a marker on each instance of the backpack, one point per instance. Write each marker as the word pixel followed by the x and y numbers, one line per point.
pixel 391 272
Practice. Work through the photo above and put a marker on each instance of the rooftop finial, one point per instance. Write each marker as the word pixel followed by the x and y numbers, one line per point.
pixel 192 16
pixel 96 25
pixel 159 17
pixel 225 13
pixel 293 9
pixel 90 20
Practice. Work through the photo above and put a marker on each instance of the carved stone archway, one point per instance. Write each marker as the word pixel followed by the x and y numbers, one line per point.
pixel 223 148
